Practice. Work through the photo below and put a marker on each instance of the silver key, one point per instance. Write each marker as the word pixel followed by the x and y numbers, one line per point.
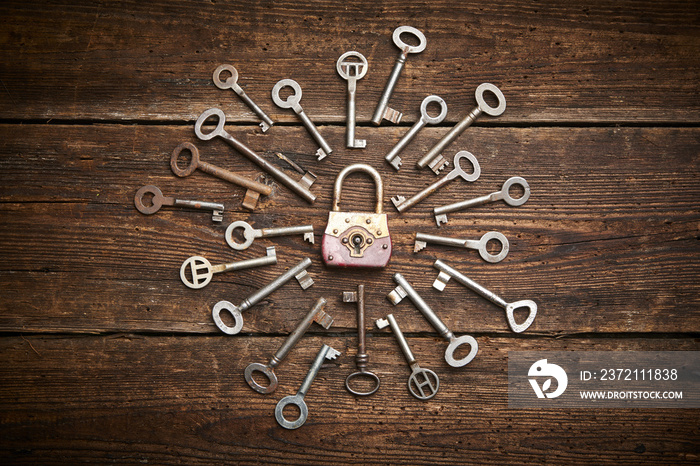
pixel 298 271
pixel 253 188
pixel 352 71
pixel 326 352
pixel 299 187
pixel 447 272
pixel 433 158
pixel 480 245
pixel 249 233
pixel 393 156
pixel 405 289
pixel 316 314
pixel 402 204
pixel 422 383
pixel 293 103
pixel 504 194
pixel 383 111
pixel 158 201
pixel 196 272
pixel 361 358
pixel 232 83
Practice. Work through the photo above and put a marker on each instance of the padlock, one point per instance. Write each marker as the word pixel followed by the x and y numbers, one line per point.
pixel 357 239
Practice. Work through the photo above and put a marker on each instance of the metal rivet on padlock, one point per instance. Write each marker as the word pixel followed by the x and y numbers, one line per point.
pixel 357 239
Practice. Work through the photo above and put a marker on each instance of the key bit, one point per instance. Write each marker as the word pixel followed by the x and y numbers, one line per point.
pixel 441 219
pixel 438 164
pixel 398 200
pixel 381 323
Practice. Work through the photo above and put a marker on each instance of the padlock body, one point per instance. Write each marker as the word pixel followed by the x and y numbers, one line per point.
pixel 356 239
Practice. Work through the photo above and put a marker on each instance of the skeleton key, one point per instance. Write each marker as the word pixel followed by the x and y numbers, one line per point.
pixel 402 204
pixel 158 200
pixel 326 352
pixel 196 264
pixel 405 289
pixel 361 358
pixel 503 194
pixel 232 83
pixel 352 71
pixel 422 383
pixel 447 272
pixel 383 111
pixel 293 103
pixel 298 271
pixel 249 233
pixel 253 188
pixel 436 161
pixel 393 156
pixel 480 245
pixel 299 187
pixel 316 314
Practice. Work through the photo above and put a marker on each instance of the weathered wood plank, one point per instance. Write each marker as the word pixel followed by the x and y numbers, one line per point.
pixel 556 62
pixel 607 242
pixel 183 400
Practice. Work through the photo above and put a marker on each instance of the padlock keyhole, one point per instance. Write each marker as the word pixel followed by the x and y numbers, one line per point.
pixel 357 241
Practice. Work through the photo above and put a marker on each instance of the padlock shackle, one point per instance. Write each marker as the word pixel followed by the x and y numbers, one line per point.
pixel 358 167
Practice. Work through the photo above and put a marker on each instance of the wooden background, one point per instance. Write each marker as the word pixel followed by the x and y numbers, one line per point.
pixel 109 358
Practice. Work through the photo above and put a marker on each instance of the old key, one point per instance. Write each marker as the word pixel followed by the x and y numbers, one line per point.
pixel 232 83
pixel 393 156
pixel 361 358
pixel 195 265
pixel 293 103
pixel 447 272
pixel 405 289
pixel 352 71
pixel 422 383
pixel 480 245
pixel 158 200
pixel 316 314
pixel 326 352
pixel 254 189
pixel 383 111
pixel 299 187
pixel 298 271
pixel 249 233
pixel 436 161
pixel 402 204
pixel 504 194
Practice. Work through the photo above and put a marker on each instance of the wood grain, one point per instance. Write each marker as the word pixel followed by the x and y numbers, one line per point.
pixel 170 400
pixel 555 62
pixel 624 226
pixel 109 358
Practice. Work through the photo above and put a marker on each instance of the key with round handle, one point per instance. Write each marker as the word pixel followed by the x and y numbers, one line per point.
pixel 383 111
pixel 502 195
pixel 196 271
pixel 352 71
pixel 316 314
pixel 157 200
pixel 401 203
pixel 393 156
pixel 422 239
pixel 250 233
pixel 422 383
pixel 232 83
pixel 253 188
pixel 292 102
pixel 404 289
pixel 433 158
pixel 447 272
pixel 361 358
pixel 325 353
pixel 301 188
pixel 298 271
